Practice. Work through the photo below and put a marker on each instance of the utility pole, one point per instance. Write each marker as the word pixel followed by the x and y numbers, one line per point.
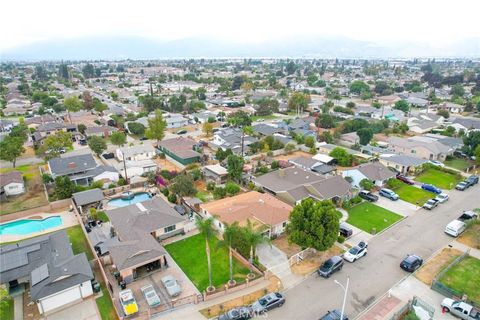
pixel 345 290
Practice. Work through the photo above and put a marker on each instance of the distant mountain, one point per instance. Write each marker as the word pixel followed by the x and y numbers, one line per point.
pixel 118 48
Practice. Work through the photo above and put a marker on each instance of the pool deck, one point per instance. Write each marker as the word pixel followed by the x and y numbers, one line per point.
pixel 68 220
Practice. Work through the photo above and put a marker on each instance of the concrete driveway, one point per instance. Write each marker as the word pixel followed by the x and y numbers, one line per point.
pixel 372 276
pixel 85 310
pixel 401 207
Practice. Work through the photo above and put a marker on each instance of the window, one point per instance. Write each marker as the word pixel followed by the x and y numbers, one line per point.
pixel 169 229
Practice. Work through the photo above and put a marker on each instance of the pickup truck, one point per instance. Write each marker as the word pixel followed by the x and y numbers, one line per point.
pixel 430 204
pixel 468 215
pixel 460 309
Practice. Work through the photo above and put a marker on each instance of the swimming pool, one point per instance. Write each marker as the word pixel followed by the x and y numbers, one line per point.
pixel 138 197
pixel 26 226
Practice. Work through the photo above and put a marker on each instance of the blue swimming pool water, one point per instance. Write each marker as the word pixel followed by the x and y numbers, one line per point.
pixel 22 227
pixel 138 197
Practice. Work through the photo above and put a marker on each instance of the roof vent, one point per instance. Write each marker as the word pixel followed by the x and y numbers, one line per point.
pixel 72 165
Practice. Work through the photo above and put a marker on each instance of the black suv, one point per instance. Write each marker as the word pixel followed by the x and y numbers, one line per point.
pixel 411 263
pixel 345 230
pixel 330 266
pixel 364 194
pixel 472 180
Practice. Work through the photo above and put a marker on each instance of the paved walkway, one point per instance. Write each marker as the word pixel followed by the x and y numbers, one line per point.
pixel 18 307
pixel 276 261
pixel 383 309
pixel 460 246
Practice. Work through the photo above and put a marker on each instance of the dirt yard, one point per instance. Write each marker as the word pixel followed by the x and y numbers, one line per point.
pixel 471 237
pixel 215 310
pixel 282 244
pixel 292 155
pixel 428 272
pixel 311 263
pixel 164 164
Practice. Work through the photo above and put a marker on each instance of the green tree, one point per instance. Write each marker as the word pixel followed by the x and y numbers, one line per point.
pixel 118 138
pixel 402 105
pixel 64 187
pixel 88 71
pixel 298 101
pixel 230 231
pixel 72 104
pixel 325 121
pixel 11 148
pixel 235 167
pixel 342 156
pixel 359 87
pixel 240 119
pixel 313 224
pixel 326 136
pixel 208 231
pixel 55 143
pixel 156 127
pixel 81 128
pixel 207 128
pixel 254 238
pixel 136 128
pixel 365 135
pixel 310 142
pixel 222 155
pixel 366 184
pixel 471 141
pixel 232 188
pixel 97 144
pixel 443 113
pixel 183 185
pixel 477 154
pixel 457 90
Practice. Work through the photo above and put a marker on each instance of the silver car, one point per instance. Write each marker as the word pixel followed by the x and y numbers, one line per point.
pixel 172 286
pixel 150 295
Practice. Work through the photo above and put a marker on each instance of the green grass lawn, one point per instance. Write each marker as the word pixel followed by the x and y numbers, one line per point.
pixel 190 255
pixel 105 305
pixel 79 242
pixel 6 305
pixel 367 216
pixel 270 117
pixel 413 195
pixel 464 278
pixel 203 195
pixel 438 178
pixel 459 164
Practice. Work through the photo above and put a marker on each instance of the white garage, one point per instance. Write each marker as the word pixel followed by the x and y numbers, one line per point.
pixel 65 297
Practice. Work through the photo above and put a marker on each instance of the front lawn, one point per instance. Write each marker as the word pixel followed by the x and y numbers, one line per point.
pixel 459 164
pixel 105 305
pixel 441 179
pixel 190 255
pixel 464 278
pixel 269 117
pixel 79 241
pixel 367 216
pixel 413 195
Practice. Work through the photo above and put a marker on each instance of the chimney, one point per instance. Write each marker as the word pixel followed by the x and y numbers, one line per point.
pixel 72 165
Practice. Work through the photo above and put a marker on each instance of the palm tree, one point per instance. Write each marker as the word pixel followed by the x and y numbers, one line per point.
pixel 207 230
pixel 228 234
pixel 254 238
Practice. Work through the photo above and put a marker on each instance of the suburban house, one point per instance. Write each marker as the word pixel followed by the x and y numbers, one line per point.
pixel 180 149
pixel 402 163
pixel 267 213
pixel 449 106
pixel 312 165
pixel 84 200
pixel 293 184
pixel 231 138
pixel 424 123
pixel 11 184
pixel 47 268
pixel 136 153
pixel 49 128
pixel 349 139
pixel 139 227
pixel 202 117
pixel 420 147
pixel 100 131
pixel 373 171
pixel 175 120
pixel 82 170
pixel 215 173
pixel 265 129
pixel 467 124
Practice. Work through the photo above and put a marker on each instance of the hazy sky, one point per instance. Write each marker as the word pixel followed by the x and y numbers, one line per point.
pixel 435 22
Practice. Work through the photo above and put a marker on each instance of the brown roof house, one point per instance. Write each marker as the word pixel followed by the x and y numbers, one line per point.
pixel 292 185
pixel 263 210
pixel 373 171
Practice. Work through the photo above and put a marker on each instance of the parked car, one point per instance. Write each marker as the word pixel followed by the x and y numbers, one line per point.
pixel 442 197
pixel 82 142
pixel 460 309
pixel 268 302
pixel 460 154
pixel 180 209
pixel 436 163
pixel 128 302
pixel 430 204
pixel 472 180
pixel 367 195
pixel 387 193
pixel 405 179
pixel 356 252
pixel 455 228
pixel 330 266
pixel 468 215
pixel 431 188
pixel 240 313
pixel 182 131
pixel 345 230
pixel 150 295
pixel 411 263
pixel 461 186
pixel 172 286
pixel 333 315
pixel 108 155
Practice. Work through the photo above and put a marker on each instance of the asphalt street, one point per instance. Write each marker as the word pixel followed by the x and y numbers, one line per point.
pixel 372 276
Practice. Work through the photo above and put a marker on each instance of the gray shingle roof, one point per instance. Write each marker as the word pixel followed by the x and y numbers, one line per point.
pixel 286 179
pixel 375 171
pixel 71 165
pixel 88 196
pixel 9 177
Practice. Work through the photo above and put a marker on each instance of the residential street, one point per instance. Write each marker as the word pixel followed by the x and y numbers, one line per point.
pixel 372 276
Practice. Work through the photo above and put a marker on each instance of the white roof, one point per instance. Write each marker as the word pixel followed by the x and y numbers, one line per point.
pixel 217 169
pixel 322 158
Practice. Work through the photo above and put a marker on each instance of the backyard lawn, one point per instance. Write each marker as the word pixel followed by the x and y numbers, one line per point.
pixel 34 195
pixel 105 305
pixel 79 242
pixel 438 178
pixel 190 255
pixel 464 278
pixel 413 195
pixel 367 216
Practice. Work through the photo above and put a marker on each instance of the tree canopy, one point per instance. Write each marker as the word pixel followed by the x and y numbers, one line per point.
pixel 11 148
pixel 156 126
pixel 342 156
pixel 235 167
pixel 97 144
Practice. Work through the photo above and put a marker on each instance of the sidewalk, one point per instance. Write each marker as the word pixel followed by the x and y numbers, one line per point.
pixel 460 246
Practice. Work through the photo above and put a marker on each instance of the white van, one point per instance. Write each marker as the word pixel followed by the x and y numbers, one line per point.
pixel 455 228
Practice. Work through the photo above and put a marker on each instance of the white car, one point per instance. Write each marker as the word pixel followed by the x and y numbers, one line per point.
pixel 436 163
pixel 442 197
pixel 150 295
pixel 356 252
pixel 172 286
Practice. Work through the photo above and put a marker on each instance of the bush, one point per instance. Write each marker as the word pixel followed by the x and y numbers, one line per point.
pixel 341 239
pixel 251 185
pixel 121 182
pixel 166 192
pixel 172 198
pixel 219 193
pixel 196 174
pixel 262 169
pixel 232 188
pixel 275 164
pixel 211 186
pixel 165 174
pixel 393 183
pixel 367 184
pixel 356 200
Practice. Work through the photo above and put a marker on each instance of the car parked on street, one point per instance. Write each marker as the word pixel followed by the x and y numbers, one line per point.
pixel 268 302
pixel 387 193
pixel 367 195
pixel 431 188
pixel 333 315
pixel 472 180
pixel 468 215
pixel 411 263
pixel 150 295
pixel 442 197
pixel 430 204
pixel 181 131
pixel 240 313
pixel 455 228
pixel 172 286
pixel 345 230
pixel 356 252
pixel 461 186
pixel 404 179
pixel 330 266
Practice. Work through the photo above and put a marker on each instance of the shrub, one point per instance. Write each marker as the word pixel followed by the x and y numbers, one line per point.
pixel 165 174
pixel 166 192
pixel 219 193
pixel 393 183
pixel 367 184
pixel 289 147
pixel 275 164
pixel 196 174
pixel 46 178
pixel 262 169
pixel 232 188
pixel 251 185
pixel 341 239
pixel 356 200
pixel 211 186
pixel 121 182
pixel 172 198
pixel 191 166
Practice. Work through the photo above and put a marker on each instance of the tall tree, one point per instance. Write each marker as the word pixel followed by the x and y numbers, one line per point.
pixel 97 144
pixel 72 104
pixel 365 135
pixel 229 233
pixel 298 101
pixel 64 187
pixel 55 143
pixel 207 128
pixel 118 138
pixel 87 100
pixel 11 148
pixel 254 238
pixel 156 126
pixel 208 231
pixel 235 167
pixel 183 185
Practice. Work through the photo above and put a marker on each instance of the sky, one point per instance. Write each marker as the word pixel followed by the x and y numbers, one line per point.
pixel 427 21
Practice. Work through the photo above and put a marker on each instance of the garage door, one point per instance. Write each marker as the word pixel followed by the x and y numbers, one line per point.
pixel 61 299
